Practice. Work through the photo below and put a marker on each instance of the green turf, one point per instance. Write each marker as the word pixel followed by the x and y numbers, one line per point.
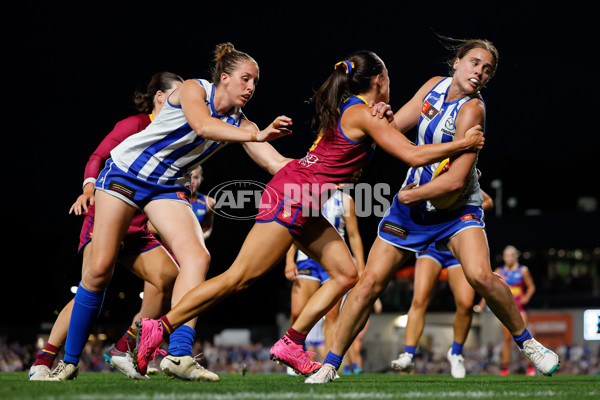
pixel 89 386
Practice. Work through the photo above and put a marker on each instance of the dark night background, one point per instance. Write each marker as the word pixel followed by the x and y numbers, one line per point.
pixel 77 69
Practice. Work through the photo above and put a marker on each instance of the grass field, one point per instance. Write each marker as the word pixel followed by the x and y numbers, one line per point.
pixel 89 386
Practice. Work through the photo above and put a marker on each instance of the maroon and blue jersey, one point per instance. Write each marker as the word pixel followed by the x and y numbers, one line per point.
pixel 332 160
pixel 515 281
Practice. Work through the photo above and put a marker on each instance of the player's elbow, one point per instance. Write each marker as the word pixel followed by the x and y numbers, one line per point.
pixel 414 161
pixel 456 184
pixel 200 130
pixel 201 127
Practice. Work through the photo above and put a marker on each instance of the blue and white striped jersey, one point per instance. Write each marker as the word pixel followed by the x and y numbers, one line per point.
pixel 333 210
pixel 437 125
pixel 168 148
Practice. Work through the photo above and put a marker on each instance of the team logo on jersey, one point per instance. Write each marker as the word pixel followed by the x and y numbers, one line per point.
pixel 308 160
pixel 394 229
pixel 122 189
pixel 449 127
pixel 428 110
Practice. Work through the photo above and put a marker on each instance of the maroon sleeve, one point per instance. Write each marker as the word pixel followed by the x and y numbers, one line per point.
pixel 122 130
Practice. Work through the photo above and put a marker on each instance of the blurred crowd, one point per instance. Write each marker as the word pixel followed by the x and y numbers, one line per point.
pixel 254 358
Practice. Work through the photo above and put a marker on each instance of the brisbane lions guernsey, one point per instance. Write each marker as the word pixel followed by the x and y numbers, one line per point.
pixel 332 161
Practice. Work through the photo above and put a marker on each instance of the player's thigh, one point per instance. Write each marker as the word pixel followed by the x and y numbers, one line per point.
pixel 265 245
pixel 155 266
pixel 179 229
pixel 111 221
pixel 323 243
pixel 382 263
pixel 470 248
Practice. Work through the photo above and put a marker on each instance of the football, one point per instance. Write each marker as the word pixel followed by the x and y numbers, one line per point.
pixel 446 201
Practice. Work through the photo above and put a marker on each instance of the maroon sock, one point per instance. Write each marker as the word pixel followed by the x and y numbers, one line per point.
pixel 295 336
pixel 168 329
pixel 47 355
pixel 127 341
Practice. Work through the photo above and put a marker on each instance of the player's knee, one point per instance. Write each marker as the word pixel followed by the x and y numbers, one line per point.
pixel 97 275
pixel 237 280
pixel 464 307
pixel 369 287
pixel 96 280
pixel 482 281
pixel 349 281
pixel 419 303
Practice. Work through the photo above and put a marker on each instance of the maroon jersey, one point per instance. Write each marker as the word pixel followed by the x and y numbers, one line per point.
pixel 122 130
pixel 332 161
pixel 138 238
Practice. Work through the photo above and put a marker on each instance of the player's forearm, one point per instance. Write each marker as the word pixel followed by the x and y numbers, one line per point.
pixel 266 157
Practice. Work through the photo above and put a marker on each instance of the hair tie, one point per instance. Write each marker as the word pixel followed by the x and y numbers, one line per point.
pixel 348 66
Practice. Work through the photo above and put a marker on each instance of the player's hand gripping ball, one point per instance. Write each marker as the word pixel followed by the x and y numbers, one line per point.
pixel 445 202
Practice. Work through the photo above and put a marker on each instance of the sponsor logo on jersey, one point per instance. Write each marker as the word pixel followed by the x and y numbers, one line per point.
pixel 394 229
pixel 182 196
pixel 469 217
pixel 428 110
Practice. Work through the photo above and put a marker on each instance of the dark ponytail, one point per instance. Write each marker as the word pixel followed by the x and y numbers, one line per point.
pixel 163 81
pixel 351 76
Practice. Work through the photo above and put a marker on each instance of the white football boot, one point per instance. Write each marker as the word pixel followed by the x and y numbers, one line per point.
pixel 64 372
pixel 404 362
pixel 39 373
pixel 325 374
pixel 545 360
pixel 457 365
pixel 187 369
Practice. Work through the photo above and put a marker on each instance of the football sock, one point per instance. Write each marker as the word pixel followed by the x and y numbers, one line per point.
pixel 127 341
pixel 167 328
pixel 47 355
pixel 295 336
pixel 456 348
pixel 181 341
pixel 85 311
pixel 522 338
pixel 334 360
pixel 410 349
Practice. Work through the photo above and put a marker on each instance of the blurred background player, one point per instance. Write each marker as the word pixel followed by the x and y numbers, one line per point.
pixel 307 275
pixel 522 287
pixel 202 205
pixel 141 252
pixel 428 268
